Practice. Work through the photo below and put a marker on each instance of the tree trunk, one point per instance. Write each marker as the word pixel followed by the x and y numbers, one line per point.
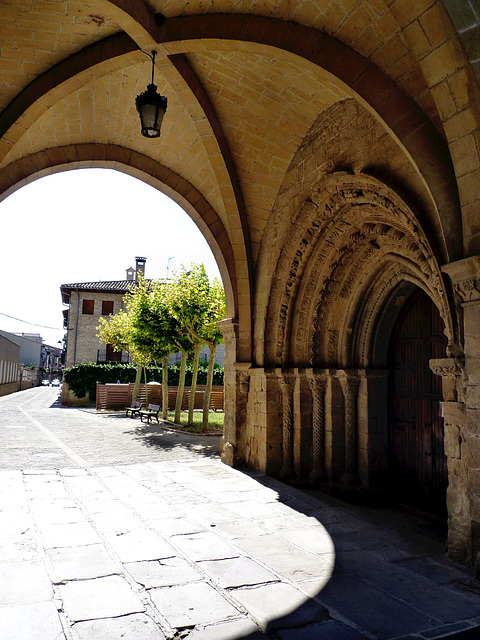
pixel 191 404
pixel 138 379
pixel 165 388
pixel 208 389
pixel 181 387
pixel 146 386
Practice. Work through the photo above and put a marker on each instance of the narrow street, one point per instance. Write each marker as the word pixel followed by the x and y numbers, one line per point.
pixel 112 529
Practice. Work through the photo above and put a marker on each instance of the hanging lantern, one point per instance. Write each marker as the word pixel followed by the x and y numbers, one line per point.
pixel 151 107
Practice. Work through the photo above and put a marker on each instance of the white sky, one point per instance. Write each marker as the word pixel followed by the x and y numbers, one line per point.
pixel 85 225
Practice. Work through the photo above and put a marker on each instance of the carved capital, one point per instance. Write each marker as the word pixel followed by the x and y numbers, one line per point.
pixel 465 277
pixel 446 367
pixel 229 328
pixel 451 370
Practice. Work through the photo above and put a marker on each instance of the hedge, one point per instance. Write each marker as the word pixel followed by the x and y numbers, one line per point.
pixel 83 378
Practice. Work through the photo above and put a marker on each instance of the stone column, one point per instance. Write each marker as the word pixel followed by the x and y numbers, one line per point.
pixel 286 380
pixel 232 445
pixel 454 417
pixel 462 418
pixel 349 382
pixel 318 384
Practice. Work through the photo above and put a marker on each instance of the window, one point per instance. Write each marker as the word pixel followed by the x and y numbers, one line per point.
pixel 112 355
pixel 107 307
pixel 88 307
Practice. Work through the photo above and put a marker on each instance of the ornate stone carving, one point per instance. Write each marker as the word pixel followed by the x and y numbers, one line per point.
pixel 318 383
pixel 349 382
pixel 467 290
pixel 447 367
pixel 287 380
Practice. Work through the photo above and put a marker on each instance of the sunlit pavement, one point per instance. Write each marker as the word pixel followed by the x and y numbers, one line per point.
pixel 112 529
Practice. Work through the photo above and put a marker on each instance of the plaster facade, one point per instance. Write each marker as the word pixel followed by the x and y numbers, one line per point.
pixel 329 151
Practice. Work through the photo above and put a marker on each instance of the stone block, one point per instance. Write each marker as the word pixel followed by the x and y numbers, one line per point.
pixel 36 620
pixel 24 582
pixel 237 572
pixel 471 452
pixel 452 441
pixel 163 573
pixel 133 627
pixel 78 563
pixel 99 598
pixel 192 604
pixel 268 604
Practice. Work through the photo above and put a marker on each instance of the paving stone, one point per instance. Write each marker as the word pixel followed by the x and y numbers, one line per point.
pixel 205 546
pixel 14 521
pixel 237 572
pixel 176 526
pixel 39 620
pixel 156 510
pixel 131 627
pixel 251 509
pixel 269 603
pixel 312 539
pixel 412 588
pixel 59 515
pixel 213 514
pixel 99 598
pixel 163 573
pixel 68 535
pixel 371 608
pixel 21 547
pixel 24 582
pixel 116 521
pixel 440 570
pixel 328 630
pixel 192 604
pixel 289 561
pixel 225 631
pixel 139 544
pixel 78 563
pixel 238 529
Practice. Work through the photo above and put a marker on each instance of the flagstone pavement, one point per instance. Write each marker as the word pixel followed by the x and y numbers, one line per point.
pixel 113 529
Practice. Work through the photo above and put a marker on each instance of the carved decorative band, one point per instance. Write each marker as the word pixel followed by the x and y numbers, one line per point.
pixel 446 367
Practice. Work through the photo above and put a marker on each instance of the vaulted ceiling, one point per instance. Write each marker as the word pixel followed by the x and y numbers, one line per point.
pixel 246 81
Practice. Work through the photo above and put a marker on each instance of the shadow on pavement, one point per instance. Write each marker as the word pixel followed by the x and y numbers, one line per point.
pixel 158 436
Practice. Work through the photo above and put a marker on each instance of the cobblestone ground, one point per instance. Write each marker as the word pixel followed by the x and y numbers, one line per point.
pixel 112 529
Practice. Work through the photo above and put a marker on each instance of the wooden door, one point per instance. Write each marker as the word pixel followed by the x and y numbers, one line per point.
pixel 416 458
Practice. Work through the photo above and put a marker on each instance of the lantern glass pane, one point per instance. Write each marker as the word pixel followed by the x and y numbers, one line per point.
pixel 148 116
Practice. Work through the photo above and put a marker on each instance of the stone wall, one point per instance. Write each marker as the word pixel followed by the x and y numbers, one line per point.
pixel 83 343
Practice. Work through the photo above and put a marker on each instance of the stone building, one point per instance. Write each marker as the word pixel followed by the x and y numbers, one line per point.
pixel 329 151
pixel 9 365
pixel 87 303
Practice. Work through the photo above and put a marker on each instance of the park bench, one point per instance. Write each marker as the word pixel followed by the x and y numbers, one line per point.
pixel 150 412
pixel 134 409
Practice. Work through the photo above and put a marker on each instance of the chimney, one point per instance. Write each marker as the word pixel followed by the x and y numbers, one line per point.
pixel 140 264
pixel 130 274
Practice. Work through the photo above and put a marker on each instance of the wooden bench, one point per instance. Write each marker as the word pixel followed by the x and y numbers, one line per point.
pixel 150 412
pixel 134 409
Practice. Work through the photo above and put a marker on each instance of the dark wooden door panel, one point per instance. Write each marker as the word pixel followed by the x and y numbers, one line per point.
pixel 417 463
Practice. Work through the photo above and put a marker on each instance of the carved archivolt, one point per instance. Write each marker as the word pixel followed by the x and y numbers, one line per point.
pixel 351 244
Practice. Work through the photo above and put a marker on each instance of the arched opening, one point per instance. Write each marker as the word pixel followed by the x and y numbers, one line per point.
pixel 417 468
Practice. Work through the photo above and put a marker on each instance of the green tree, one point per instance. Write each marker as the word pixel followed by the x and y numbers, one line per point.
pixel 213 337
pixel 198 306
pixel 155 327
pixel 117 330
